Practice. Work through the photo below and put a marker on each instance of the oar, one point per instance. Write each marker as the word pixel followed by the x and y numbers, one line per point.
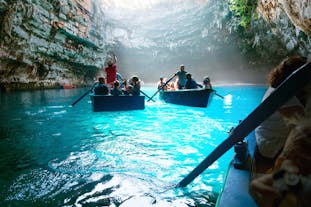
pixel 286 90
pixel 146 95
pixel 161 87
pixel 81 97
pixel 218 94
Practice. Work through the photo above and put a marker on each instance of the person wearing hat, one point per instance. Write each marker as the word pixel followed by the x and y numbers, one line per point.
pixel 111 71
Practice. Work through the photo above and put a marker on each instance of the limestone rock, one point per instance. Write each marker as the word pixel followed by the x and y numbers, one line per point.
pixel 45 44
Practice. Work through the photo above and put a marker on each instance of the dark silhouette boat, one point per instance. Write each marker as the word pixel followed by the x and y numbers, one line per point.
pixel 187 97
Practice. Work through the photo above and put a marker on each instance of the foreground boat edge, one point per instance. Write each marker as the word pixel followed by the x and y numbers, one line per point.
pixel 235 190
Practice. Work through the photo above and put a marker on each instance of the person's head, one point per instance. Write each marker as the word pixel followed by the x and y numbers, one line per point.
pixel 284 69
pixel 116 84
pixel 110 62
pixel 188 76
pixel 161 78
pixel 135 79
pixel 101 80
pixel 206 80
pixel 182 67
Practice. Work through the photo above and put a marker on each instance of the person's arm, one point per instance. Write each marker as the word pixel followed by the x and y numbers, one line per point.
pixel 115 59
pixel 199 85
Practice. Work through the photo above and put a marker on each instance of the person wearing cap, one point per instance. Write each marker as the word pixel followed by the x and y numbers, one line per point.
pixel 181 74
pixel 111 71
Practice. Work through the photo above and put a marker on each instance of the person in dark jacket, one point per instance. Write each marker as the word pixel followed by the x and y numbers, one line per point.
pixel 101 88
pixel 116 91
pixel 190 83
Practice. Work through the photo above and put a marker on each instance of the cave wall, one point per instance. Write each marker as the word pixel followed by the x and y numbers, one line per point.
pixel 48 44
pixel 291 21
pixel 52 43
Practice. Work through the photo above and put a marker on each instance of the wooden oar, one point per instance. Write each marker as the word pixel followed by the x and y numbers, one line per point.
pixel 81 97
pixel 146 95
pixel 218 94
pixel 286 90
pixel 161 87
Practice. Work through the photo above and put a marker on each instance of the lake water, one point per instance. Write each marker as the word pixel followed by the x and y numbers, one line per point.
pixel 53 154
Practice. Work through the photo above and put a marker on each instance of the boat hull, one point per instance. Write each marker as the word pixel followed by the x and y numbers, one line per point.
pixel 187 97
pixel 117 103
pixel 235 190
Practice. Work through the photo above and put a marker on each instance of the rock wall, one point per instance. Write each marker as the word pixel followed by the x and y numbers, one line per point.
pixel 56 43
pixel 49 43
pixel 290 20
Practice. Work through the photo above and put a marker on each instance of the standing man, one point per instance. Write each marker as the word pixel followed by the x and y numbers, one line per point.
pixel 111 71
pixel 181 83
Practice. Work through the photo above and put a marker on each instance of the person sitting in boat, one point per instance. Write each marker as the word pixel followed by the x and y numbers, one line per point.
pixel 116 91
pixel 207 83
pixel 111 71
pixel 101 88
pixel 135 83
pixel 128 90
pixel 161 84
pixel 121 80
pixel 181 74
pixel 190 83
pixel 171 86
pixel 272 133
pixel 290 183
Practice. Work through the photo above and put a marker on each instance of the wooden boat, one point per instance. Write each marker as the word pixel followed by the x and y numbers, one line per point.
pixel 235 191
pixel 117 103
pixel 186 97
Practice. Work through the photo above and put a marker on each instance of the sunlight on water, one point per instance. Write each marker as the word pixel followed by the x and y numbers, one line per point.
pixel 57 155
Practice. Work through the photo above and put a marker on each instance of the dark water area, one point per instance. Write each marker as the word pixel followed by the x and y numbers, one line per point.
pixel 53 154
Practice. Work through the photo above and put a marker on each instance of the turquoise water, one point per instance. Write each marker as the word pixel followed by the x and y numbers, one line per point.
pixel 53 154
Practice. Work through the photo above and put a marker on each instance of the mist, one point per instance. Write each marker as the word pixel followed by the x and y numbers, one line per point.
pixel 153 38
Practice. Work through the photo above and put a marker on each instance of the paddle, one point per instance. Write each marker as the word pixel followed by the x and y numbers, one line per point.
pixel 287 89
pixel 81 97
pixel 161 87
pixel 146 95
pixel 218 94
